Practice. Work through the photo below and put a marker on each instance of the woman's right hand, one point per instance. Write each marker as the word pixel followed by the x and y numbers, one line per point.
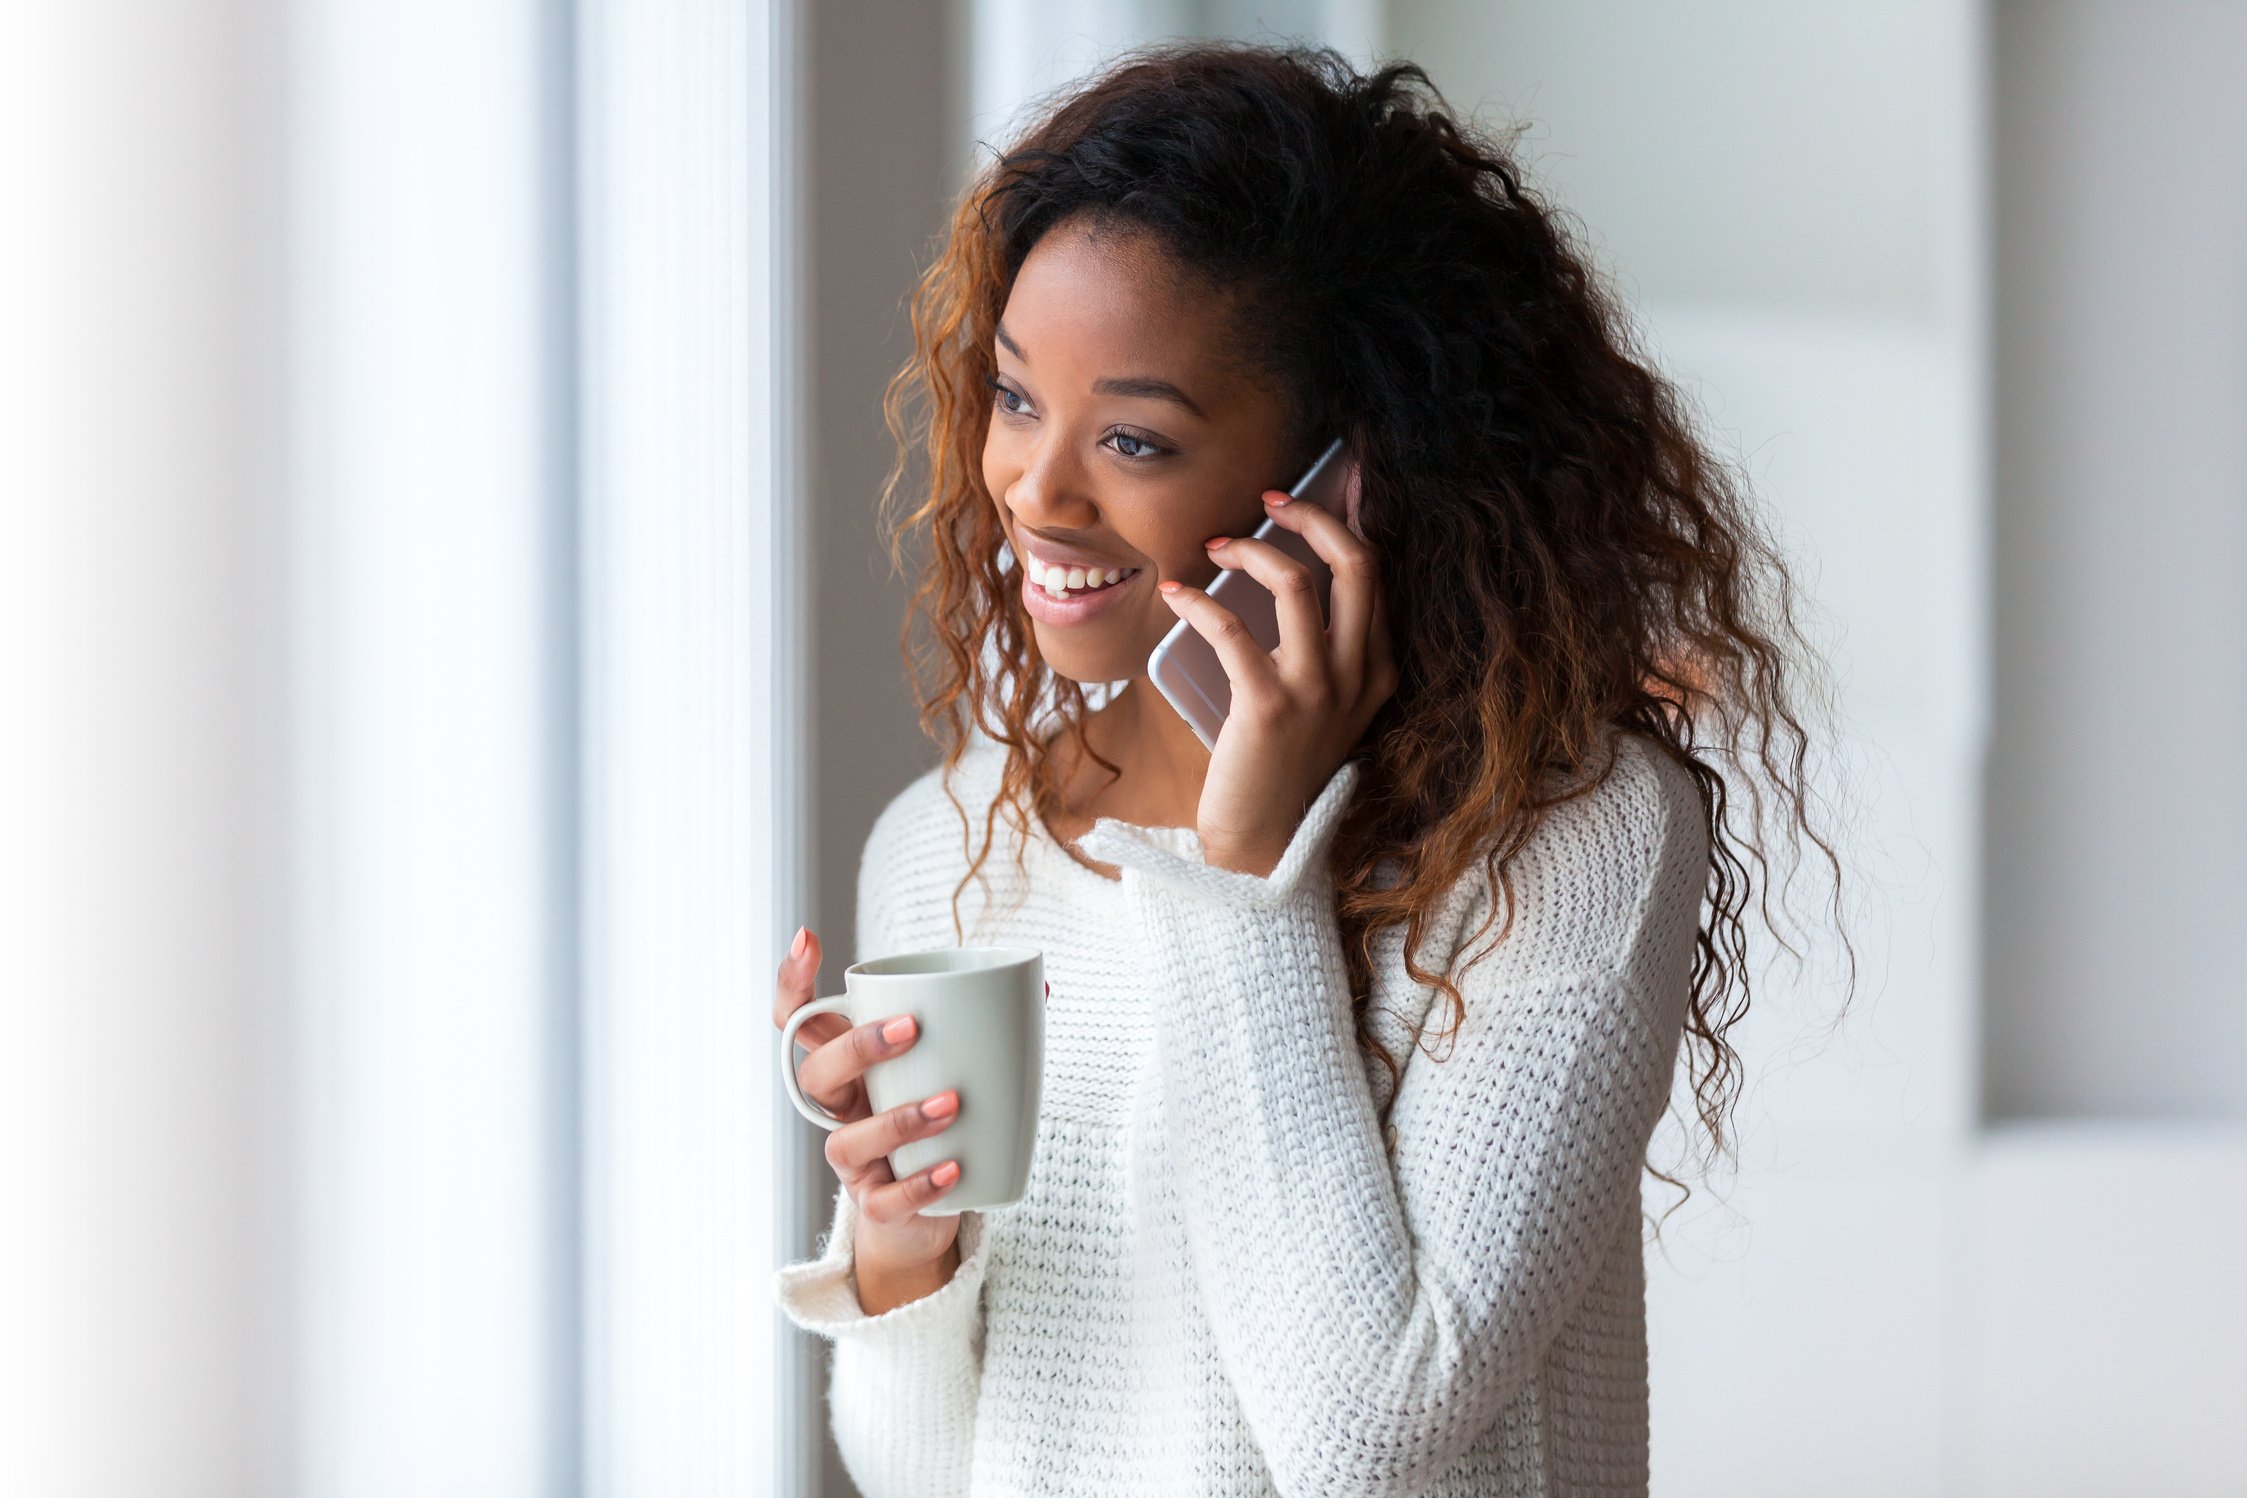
pixel 892 1235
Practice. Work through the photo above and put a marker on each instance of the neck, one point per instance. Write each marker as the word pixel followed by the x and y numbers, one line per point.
pixel 1162 761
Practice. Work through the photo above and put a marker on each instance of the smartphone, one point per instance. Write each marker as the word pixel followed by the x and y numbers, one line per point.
pixel 1185 668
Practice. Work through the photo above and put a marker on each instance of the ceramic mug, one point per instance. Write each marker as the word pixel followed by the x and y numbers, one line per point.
pixel 981 1012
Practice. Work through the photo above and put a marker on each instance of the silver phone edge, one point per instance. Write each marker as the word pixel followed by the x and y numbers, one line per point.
pixel 1162 652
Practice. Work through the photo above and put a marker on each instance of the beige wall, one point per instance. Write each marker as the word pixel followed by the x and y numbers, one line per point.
pixel 2117 815
pixel 878 181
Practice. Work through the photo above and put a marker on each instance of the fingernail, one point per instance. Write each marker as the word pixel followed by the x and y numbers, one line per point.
pixel 898 1028
pixel 1167 586
pixel 942 1106
pixel 796 947
pixel 1215 541
pixel 945 1174
pixel 1276 500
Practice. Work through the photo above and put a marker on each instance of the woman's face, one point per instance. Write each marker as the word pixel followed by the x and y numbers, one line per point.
pixel 1124 433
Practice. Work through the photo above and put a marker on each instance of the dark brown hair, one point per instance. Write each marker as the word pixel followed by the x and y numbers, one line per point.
pixel 1601 572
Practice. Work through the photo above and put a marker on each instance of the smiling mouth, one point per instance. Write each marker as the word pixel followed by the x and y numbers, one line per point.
pixel 1068 582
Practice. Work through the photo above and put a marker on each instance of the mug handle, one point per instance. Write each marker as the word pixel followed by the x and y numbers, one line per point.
pixel 804 1105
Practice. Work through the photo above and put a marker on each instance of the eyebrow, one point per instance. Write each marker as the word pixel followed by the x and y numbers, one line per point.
pixel 1133 385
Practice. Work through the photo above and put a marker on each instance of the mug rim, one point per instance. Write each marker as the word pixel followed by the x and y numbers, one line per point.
pixel 1008 957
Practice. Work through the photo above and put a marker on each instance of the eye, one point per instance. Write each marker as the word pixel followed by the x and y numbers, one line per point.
pixel 1000 394
pixel 1149 450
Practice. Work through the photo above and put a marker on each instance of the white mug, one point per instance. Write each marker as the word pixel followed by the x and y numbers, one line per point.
pixel 981 1013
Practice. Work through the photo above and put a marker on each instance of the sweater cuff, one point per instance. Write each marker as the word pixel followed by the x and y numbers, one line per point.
pixel 821 1295
pixel 1130 846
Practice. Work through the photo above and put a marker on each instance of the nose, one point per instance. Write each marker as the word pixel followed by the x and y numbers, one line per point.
pixel 1050 492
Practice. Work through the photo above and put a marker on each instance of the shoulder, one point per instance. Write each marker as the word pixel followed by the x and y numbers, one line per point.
pixel 1619 863
pixel 1645 808
pixel 924 820
pixel 918 849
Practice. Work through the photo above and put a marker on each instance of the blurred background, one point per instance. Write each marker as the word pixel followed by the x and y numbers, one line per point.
pixel 445 652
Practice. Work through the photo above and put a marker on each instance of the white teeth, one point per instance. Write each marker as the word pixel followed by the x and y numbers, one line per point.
pixel 1061 582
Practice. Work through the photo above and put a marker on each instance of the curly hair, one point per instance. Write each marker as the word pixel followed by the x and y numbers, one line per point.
pixel 1603 573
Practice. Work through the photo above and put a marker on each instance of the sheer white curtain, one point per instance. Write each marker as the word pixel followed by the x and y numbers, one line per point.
pixel 435 1003
pixel 548 748
pixel 695 853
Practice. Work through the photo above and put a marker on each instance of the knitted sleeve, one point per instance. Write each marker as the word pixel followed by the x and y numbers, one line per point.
pixel 904 1387
pixel 1376 1315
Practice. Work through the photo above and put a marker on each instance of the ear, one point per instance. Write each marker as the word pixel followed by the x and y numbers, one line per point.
pixel 1352 490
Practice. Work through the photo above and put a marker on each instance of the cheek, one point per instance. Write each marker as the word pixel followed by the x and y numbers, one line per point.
pixel 999 469
pixel 1171 528
pixel 1185 561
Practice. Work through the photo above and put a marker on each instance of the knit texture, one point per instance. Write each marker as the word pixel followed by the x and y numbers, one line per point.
pixel 1221 1281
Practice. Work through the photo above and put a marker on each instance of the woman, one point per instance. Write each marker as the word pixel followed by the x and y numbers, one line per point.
pixel 1360 1022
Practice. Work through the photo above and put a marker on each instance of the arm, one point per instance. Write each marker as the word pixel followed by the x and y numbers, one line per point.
pixel 905 1382
pixel 886 1290
pixel 1374 1319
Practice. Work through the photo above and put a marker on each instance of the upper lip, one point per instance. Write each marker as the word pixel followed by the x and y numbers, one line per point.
pixel 1068 556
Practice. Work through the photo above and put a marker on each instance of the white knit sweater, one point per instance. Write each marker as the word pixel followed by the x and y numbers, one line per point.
pixel 1220 1282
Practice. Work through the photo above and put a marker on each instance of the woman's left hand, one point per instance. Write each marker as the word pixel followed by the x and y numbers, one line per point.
pixel 1298 711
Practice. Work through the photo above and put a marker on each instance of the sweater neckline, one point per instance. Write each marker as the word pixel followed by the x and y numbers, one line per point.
pixel 1050 848
pixel 1183 841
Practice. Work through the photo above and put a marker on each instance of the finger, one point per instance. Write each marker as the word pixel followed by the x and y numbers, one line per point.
pixel 1247 664
pixel 841 1061
pixel 1355 594
pixel 855 1146
pixel 799 973
pixel 876 1174
pixel 1295 597
pixel 799 970
pixel 894 1203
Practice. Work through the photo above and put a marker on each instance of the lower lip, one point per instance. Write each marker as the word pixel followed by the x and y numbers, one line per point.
pixel 1077 607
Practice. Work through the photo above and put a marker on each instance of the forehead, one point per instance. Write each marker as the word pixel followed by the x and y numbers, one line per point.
pixel 1095 300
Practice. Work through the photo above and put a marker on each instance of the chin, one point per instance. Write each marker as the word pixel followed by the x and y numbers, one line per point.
pixel 1066 658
